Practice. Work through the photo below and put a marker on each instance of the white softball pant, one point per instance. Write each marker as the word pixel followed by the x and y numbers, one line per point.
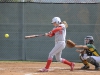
pixel 97 58
pixel 57 50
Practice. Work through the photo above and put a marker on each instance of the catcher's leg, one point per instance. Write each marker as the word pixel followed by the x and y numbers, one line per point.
pixel 93 62
pixel 84 61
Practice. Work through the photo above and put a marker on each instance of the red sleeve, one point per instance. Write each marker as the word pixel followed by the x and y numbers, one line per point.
pixel 57 29
pixel 52 33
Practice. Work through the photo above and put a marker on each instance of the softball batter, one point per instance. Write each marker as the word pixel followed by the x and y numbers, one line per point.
pixel 89 54
pixel 59 31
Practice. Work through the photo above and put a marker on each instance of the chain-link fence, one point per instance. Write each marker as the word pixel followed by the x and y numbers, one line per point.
pixel 54 1
pixel 20 19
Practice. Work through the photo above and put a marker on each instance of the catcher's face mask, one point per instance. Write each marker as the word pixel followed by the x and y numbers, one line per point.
pixel 86 41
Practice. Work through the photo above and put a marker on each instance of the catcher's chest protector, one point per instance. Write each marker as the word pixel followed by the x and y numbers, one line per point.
pixel 89 53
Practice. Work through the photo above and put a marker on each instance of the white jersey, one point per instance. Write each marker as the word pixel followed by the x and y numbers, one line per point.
pixel 60 44
pixel 61 35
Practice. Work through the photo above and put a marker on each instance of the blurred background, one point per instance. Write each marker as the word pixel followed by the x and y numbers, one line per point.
pixel 19 18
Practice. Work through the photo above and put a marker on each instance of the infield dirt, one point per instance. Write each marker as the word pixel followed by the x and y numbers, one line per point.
pixel 32 68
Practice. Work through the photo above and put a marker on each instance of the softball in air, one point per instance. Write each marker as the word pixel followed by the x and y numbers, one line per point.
pixel 6 35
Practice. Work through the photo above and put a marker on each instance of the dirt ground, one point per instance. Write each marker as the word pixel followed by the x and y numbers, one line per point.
pixel 32 68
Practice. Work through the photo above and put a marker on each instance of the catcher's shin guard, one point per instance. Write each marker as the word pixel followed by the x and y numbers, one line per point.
pixel 85 62
pixel 93 62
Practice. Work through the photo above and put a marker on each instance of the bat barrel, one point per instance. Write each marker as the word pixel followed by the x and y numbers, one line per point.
pixel 33 36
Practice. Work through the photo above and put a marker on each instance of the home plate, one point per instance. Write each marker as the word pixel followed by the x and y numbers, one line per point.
pixel 31 73
pixel 35 73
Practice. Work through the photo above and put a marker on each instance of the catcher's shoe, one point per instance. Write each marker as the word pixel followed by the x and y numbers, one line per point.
pixel 72 66
pixel 85 67
pixel 43 70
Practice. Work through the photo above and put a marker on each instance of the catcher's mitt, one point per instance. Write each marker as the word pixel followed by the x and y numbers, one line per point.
pixel 70 44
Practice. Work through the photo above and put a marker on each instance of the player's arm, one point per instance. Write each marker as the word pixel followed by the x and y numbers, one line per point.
pixel 81 46
pixel 77 50
pixel 57 29
pixel 52 33
pixel 80 51
pixel 49 34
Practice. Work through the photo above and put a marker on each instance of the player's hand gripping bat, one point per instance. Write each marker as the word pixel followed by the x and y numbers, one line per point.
pixel 33 36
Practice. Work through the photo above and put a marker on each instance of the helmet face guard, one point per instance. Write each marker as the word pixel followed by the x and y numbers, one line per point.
pixel 88 40
pixel 56 20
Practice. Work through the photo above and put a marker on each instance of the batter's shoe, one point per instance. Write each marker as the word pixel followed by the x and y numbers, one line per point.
pixel 43 70
pixel 72 66
pixel 85 67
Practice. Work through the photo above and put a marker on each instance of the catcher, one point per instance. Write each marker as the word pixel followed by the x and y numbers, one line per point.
pixel 88 54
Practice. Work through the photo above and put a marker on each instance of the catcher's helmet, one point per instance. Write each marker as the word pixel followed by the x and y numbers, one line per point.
pixel 90 38
pixel 56 19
